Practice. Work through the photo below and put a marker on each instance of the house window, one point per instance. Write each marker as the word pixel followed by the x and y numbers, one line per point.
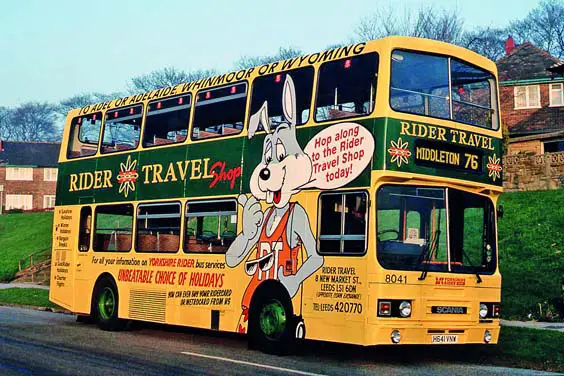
pixel 554 146
pixel 19 202
pixel 50 174
pixel 19 173
pixel 48 201
pixel 556 95
pixel 527 96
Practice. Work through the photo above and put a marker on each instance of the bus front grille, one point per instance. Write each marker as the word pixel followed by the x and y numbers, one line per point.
pixel 147 305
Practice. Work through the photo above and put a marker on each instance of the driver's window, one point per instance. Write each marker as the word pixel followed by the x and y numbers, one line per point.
pixel 211 226
pixel 411 225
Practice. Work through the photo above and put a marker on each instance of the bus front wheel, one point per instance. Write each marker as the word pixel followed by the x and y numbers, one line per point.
pixel 106 303
pixel 272 325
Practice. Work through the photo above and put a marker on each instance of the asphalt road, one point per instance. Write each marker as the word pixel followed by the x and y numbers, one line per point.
pixel 45 343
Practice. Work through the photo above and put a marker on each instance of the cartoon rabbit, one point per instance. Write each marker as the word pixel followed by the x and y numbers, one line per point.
pixel 283 228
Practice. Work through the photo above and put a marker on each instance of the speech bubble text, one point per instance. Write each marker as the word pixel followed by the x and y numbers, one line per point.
pixel 339 154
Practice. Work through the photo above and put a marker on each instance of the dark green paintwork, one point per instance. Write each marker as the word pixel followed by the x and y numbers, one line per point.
pixel 393 134
pixel 235 152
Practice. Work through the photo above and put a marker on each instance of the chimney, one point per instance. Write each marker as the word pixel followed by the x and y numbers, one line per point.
pixel 509 45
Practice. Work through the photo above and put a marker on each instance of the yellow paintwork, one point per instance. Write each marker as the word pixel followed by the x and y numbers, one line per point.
pixel 74 292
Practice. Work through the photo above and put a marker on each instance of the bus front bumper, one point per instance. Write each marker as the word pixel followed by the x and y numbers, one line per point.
pixel 417 335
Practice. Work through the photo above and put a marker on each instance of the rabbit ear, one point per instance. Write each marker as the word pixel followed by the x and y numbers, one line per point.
pixel 259 117
pixel 289 100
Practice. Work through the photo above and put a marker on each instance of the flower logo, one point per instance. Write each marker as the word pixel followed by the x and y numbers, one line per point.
pixel 494 167
pixel 127 176
pixel 399 152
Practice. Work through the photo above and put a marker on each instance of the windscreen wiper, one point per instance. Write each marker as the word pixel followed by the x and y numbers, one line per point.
pixel 478 278
pixel 430 249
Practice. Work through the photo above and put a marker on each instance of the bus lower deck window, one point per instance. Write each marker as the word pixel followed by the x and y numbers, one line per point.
pixel 113 228
pixel 342 223
pixel 211 226
pixel 158 227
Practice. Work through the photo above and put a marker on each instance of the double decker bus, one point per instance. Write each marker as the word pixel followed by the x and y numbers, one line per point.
pixel 346 196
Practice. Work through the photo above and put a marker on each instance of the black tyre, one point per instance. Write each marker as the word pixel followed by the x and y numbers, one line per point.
pixel 106 304
pixel 272 324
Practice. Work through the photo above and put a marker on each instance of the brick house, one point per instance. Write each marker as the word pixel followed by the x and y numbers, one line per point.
pixel 28 175
pixel 531 85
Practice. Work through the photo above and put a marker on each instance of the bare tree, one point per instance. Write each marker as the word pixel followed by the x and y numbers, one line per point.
pixel 282 54
pixel 33 121
pixel 426 22
pixel 543 26
pixel 81 100
pixel 487 41
pixel 4 128
pixel 167 76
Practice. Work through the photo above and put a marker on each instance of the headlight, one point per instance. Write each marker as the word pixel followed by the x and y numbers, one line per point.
pixel 487 336
pixel 405 308
pixel 395 336
pixel 483 310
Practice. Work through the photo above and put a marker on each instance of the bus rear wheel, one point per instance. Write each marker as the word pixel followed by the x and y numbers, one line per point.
pixel 106 303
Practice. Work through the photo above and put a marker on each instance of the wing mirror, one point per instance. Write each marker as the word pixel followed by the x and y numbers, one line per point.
pixel 500 211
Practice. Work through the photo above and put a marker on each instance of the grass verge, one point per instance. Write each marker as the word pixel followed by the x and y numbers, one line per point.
pixel 27 297
pixel 529 348
pixel 20 236
pixel 531 252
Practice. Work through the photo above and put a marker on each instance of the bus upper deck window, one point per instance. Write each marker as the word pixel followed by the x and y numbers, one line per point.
pixel 270 88
pixel 346 88
pixel 219 112
pixel 122 129
pixel 472 92
pixel 84 135
pixel 167 121
pixel 419 84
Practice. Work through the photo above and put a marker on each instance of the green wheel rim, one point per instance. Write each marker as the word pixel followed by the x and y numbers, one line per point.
pixel 107 303
pixel 272 319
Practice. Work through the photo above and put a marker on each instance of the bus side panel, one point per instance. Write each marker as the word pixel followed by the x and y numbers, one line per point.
pixel 65 230
pixel 334 298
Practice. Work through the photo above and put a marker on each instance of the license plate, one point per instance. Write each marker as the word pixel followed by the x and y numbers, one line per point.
pixel 444 338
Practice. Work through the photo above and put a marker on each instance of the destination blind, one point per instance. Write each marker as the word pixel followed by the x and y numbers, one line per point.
pixel 445 155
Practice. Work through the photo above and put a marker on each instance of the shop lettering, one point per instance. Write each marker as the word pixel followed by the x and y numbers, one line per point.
pixel 90 180
pixel 156 173
pixel 454 136
pixel 219 174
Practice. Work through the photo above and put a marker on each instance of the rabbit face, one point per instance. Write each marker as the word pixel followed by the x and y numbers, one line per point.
pixel 284 166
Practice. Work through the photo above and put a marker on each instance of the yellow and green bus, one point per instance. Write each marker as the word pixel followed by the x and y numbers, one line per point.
pixel 347 196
